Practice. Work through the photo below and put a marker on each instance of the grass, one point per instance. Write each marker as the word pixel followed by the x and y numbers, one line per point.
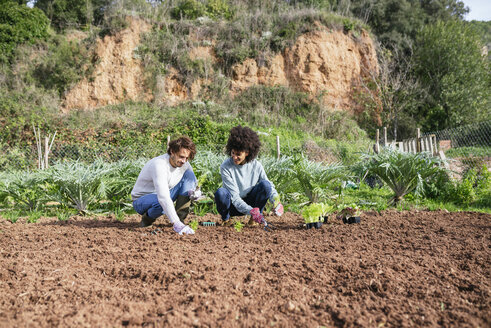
pixel 469 152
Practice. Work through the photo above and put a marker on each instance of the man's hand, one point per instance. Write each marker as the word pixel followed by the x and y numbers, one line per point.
pixel 181 228
pixel 257 216
pixel 278 207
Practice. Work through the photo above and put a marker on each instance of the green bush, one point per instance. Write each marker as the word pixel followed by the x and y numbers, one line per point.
pixel 190 9
pixel 63 65
pixel 19 24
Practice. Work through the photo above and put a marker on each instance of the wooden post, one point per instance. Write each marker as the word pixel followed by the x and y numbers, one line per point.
pixel 377 145
pixel 46 151
pixel 418 140
pixel 278 146
pixel 385 136
pixel 430 145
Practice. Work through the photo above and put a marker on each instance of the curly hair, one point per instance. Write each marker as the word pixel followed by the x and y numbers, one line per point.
pixel 243 139
pixel 182 142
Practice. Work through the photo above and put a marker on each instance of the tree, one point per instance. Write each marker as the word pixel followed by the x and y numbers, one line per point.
pixel 396 91
pixel 396 22
pixel 451 67
pixel 73 13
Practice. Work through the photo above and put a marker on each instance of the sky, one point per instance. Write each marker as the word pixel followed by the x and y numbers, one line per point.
pixel 479 10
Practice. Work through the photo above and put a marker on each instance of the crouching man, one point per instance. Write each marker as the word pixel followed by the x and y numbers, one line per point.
pixel 246 188
pixel 164 180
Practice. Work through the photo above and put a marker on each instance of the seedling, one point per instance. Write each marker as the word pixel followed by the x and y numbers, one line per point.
pixel 349 214
pixel 63 215
pixel 11 216
pixel 238 225
pixel 33 216
pixel 119 214
pixel 314 214
pixel 194 224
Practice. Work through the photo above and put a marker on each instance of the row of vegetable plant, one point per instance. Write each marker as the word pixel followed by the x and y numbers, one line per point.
pixel 74 187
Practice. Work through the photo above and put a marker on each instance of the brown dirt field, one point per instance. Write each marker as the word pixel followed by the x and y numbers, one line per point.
pixel 395 269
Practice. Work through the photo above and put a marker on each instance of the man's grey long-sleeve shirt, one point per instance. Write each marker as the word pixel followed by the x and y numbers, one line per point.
pixel 240 179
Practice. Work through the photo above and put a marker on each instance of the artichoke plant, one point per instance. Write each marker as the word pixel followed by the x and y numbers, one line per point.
pixel 402 172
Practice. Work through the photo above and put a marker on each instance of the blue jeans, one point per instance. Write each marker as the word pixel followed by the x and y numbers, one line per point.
pixel 149 203
pixel 257 197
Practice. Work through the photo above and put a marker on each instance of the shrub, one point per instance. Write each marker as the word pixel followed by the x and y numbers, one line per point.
pixel 63 65
pixel 190 9
pixel 19 24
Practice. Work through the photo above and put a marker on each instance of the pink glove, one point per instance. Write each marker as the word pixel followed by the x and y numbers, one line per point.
pixel 256 215
pixel 278 210
pixel 181 228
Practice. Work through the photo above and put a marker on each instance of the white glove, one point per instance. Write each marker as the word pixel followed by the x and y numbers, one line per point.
pixel 181 228
pixel 196 195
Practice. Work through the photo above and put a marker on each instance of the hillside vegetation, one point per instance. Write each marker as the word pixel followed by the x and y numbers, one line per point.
pixel 431 72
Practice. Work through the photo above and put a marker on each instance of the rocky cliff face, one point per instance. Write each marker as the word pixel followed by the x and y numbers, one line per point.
pixel 118 74
pixel 321 63
pixel 326 64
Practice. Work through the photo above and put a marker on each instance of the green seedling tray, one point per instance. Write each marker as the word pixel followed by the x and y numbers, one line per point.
pixel 208 224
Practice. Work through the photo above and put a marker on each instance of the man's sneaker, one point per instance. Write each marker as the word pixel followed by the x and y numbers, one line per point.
pixel 146 220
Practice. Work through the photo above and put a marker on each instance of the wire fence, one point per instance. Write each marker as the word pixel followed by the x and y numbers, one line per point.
pixel 473 135
pixel 469 140
pixel 30 158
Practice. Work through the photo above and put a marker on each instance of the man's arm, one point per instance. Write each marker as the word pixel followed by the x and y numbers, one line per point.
pixel 159 176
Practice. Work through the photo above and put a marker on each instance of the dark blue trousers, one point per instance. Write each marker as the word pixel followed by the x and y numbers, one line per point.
pixel 257 197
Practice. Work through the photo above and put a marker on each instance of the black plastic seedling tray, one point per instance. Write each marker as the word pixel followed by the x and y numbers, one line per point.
pixel 352 219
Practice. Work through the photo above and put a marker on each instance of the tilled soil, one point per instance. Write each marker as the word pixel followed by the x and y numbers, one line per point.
pixel 394 269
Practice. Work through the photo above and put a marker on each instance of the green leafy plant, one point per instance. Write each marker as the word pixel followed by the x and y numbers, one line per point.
pixel 25 188
pixel 238 225
pixel 315 178
pixel 11 216
pixel 194 224
pixel 315 212
pixel 402 172
pixel 78 185
pixel 62 215
pixel 120 179
pixel 348 211
pixel 33 216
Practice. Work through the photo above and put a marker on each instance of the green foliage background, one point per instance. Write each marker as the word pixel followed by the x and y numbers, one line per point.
pixel 40 61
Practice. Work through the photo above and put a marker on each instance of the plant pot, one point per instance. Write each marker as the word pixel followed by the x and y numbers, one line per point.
pixel 352 219
pixel 325 219
pixel 309 225
pixel 317 224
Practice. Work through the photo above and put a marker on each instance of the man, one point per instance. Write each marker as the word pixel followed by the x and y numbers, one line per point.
pixel 163 180
pixel 246 188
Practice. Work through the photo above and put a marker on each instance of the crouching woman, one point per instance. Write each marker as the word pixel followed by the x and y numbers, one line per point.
pixel 246 188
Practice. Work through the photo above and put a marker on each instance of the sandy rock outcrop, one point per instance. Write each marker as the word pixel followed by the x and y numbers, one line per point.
pixel 118 73
pixel 326 63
